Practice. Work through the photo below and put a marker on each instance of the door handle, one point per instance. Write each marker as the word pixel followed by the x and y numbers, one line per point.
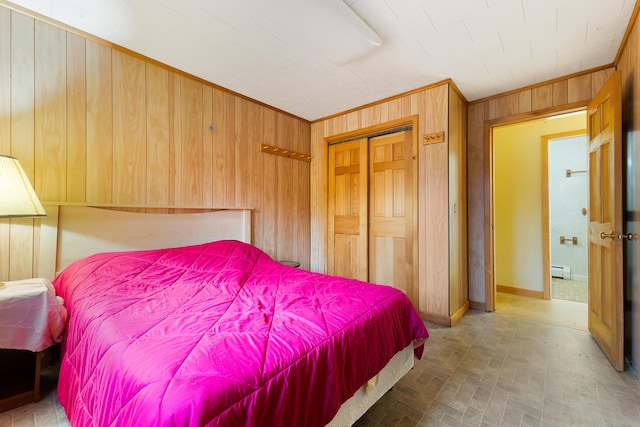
pixel 613 235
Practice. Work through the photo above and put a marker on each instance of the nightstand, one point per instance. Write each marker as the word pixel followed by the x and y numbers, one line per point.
pixel 294 264
pixel 32 319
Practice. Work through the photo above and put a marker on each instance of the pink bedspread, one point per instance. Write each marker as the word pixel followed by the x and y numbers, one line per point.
pixel 220 334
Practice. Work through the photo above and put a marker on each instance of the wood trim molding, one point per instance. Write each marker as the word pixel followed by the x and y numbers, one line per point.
pixel 459 313
pixel 436 318
pixel 520 291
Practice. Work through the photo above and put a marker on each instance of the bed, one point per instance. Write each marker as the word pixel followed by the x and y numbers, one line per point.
pixel 220 334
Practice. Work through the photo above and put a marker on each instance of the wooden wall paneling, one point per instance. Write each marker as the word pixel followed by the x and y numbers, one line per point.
pixel 579 88
pixel 191 118
pixel 284 181
pixel 475 198
pixel 219 149
pixel 241 149
pixel 560 93
pixel 175 139
pixel 395 108
pixel 228 128
pixel 5 248
pixel 302 195
pixel 374 114
pixel 207 145
pixel 490 108
pixel 21 232
pixel 5 126
pixel 129 130
pixel 524 101
pixel 434 171
pixel 76 116
pixel 50 112
pixel 352 120
pixel 255 136
pixel 507 105
pixel 23 92
pixel 270 188
pixel 99 124
pixel 318 197
pixel 598 79
pixel 158 129
pixel 136 133
pixel 541 97
pixel 5 82
pixel 457 203
pixel 21 248
pixel 338 125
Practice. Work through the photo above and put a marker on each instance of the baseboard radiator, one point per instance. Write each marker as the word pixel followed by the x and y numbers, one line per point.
pixel 562 272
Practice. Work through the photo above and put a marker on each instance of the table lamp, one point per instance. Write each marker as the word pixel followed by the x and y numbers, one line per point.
pixel 17 197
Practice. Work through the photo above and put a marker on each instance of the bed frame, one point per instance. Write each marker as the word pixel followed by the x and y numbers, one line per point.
pixel 69 233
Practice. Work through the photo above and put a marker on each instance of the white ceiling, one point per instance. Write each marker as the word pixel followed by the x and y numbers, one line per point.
pixel 485 46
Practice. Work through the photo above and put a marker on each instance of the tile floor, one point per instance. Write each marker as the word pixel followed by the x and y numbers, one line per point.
pixel 570 290
pixel 490 369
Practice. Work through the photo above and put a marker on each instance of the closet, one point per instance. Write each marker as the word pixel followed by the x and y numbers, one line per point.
pixel 393 212
pixel 371 209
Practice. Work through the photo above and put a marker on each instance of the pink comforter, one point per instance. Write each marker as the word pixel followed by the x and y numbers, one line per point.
pixel 220 334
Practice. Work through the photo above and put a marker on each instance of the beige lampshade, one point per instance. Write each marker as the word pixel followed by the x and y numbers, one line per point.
pixel 17 197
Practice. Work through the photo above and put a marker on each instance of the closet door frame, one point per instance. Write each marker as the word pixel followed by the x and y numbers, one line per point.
pixel 365 133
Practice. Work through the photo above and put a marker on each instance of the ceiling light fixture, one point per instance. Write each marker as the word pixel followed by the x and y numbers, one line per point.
pixel 330 27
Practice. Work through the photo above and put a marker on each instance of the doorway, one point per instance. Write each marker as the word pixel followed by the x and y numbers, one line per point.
pixel 565 226
pixel 522 229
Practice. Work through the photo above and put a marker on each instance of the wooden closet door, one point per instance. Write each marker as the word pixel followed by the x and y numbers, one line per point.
pixel 347 250
pixel 391 218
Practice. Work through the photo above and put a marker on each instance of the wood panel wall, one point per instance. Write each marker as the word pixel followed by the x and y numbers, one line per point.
pixel 92 123
pixel 555 96
pixel 432 107
pixel 459 298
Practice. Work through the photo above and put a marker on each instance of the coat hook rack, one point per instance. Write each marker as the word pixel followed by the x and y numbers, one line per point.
pixel 271 149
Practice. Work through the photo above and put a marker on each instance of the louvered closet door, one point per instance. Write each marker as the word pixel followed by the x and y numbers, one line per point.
pixel 347 250
pixel 391 207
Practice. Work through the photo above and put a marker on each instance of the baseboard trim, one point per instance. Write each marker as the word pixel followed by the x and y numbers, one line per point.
pixel 436 318
pixel 519 291
pixel 475 305
pixel 458 314
pixel 445 320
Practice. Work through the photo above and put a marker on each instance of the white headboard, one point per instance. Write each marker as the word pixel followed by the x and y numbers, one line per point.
pixel 69 233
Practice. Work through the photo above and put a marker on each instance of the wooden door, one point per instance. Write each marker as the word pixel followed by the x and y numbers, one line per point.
pixel 347 250
pixel 391 220
pixel 604 130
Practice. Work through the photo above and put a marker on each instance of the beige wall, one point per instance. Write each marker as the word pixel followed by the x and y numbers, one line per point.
pixel 524 104
pixel 94 124
pixel 518 226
